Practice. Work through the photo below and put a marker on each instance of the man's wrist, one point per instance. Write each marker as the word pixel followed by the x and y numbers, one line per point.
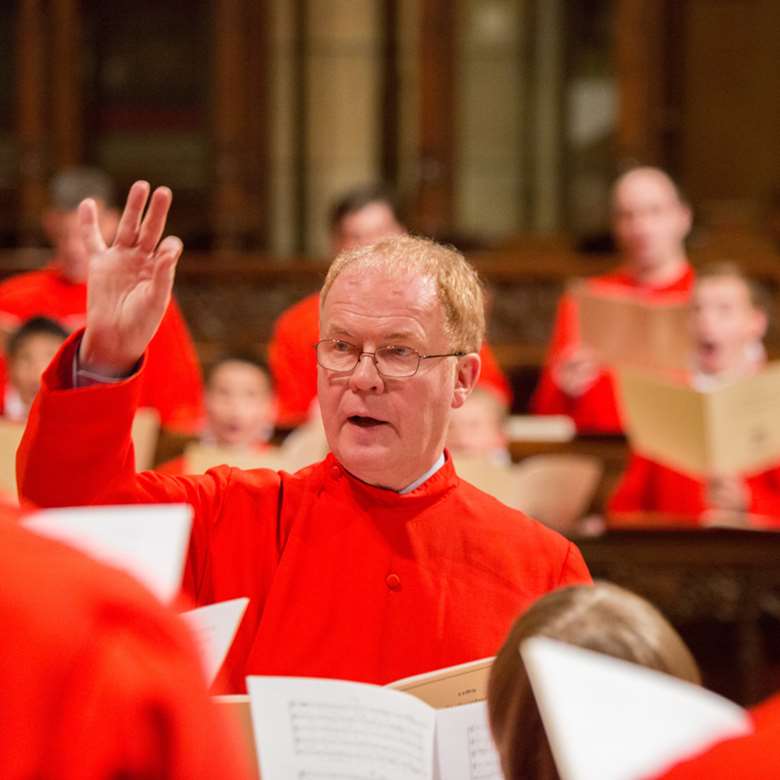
pixel 84 376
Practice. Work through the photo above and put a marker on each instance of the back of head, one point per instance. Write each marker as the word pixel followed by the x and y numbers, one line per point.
pixel 457 284
pixel 72 185
pixel 604 618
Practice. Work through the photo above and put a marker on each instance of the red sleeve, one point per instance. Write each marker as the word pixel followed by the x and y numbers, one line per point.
pixel 575 571
pixel 492 377
pixel 596 410
pixel 293 361
pixel 173 466
pixel 634 491
pixel 77 451
pixel 172 381
pixel 765 496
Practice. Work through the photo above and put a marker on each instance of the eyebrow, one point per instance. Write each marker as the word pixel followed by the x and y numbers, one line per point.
pixel 399 336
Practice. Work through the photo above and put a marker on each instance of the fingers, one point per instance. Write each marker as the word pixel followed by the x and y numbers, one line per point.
pixel 165 260
pixel 154 221
pixel 127 232
pixel 90 230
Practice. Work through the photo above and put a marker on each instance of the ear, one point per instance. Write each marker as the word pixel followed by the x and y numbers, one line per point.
pixel 760 324
pixel 686 219
pixel 466 376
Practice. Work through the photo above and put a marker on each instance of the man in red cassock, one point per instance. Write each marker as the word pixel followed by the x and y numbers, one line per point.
pixel 172 384
pixel 728 323
pixel 374 564
pixel 99 680
pixel 650 223
pixel 361 217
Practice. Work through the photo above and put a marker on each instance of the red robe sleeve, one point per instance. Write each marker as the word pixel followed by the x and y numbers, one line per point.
pixel 172 381
pixel 293 361
pixel 596 410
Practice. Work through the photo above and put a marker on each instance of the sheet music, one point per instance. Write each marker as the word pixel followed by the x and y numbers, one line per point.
pixel 464 745
pixel 607 719
pixel 147 541
pixel 311 729
pixel 214 628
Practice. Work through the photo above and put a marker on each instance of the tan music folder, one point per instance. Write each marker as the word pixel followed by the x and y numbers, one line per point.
pixel 734 429
pixel 10 436
pixel 199 458
pixel 622 328
pixel 145 433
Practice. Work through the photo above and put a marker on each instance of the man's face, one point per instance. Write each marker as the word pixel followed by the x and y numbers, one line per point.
pixel 64 233
pixel 30 361
pixel 725 325
pixel 649 220
pixel 239 404
pixel 368 225
pixel 388 432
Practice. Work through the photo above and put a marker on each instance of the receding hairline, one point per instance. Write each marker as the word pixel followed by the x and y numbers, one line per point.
pixel 649 173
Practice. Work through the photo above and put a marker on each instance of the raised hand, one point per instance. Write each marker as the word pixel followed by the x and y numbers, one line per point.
pixel 129 283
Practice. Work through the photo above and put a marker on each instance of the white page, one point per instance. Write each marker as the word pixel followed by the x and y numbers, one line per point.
pixel 149 541
pixel 464 745
pixel 607 719
pixel 325 729
pixel 214 628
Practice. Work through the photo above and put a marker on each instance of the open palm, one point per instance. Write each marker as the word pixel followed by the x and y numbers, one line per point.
pixel 129 283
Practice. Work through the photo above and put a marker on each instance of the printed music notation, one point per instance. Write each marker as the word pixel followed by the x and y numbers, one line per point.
pixel 483 759
pixel 357 733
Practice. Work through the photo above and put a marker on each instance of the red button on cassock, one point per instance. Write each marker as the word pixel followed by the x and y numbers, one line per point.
pixel 393 582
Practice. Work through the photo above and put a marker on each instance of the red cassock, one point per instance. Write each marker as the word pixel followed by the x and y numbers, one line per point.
pixel 98 679
pixel 294 364
pixel 345 580
pixel 596 410
pixel 172 382
pixel 648 486
pixel 752 757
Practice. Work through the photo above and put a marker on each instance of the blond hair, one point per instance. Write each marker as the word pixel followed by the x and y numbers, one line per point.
pixel 600 617
pixel 457 284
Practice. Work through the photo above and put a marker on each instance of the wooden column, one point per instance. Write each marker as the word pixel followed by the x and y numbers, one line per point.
pixel 229 116
pixel 435 197
pixel 640 67
pixel 67 106
pixel 31 120
pixel 389 104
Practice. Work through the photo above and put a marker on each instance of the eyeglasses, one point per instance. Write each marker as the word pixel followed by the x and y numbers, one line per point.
pixel 392 361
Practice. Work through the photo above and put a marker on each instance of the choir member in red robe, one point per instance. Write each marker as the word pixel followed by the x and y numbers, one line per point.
pixel 650 223
pixel 755 756
pixel 99 680
pixel 172 382
pixel 728 323
pixel 361 217
pixel 378 562
pixel 240 409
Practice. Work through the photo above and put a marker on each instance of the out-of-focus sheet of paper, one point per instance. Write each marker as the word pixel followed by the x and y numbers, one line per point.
pixel 450 687
pixel 733 429
pixel 625 329
pixel 607 719
pixel 307 728
pixel 464 746
pixel 149 541
pixel 214 628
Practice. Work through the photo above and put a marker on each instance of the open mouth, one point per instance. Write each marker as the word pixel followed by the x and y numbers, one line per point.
pixel 708 348
pixel 365 422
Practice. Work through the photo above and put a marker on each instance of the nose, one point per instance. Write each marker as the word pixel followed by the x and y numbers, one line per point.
pixel 365 378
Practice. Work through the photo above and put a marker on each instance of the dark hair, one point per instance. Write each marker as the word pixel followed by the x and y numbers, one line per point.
pixel 71 185
pixel 35 326
pixel 239 357
pixel 601 617
pixel 358 198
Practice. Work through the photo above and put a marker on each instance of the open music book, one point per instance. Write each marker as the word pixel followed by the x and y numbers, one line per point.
pixel 733 429
pixel 608 719
pixel 148 541
pixel 622 328
pixel 313 728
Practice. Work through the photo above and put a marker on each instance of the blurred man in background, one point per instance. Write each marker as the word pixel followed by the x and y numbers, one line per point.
pixel 650 221
pixel 172 380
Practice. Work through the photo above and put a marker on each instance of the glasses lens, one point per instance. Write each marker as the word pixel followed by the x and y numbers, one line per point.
pixel 337 355
pixel 397 361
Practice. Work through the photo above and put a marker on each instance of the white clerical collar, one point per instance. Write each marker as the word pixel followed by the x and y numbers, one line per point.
pixel 425 477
